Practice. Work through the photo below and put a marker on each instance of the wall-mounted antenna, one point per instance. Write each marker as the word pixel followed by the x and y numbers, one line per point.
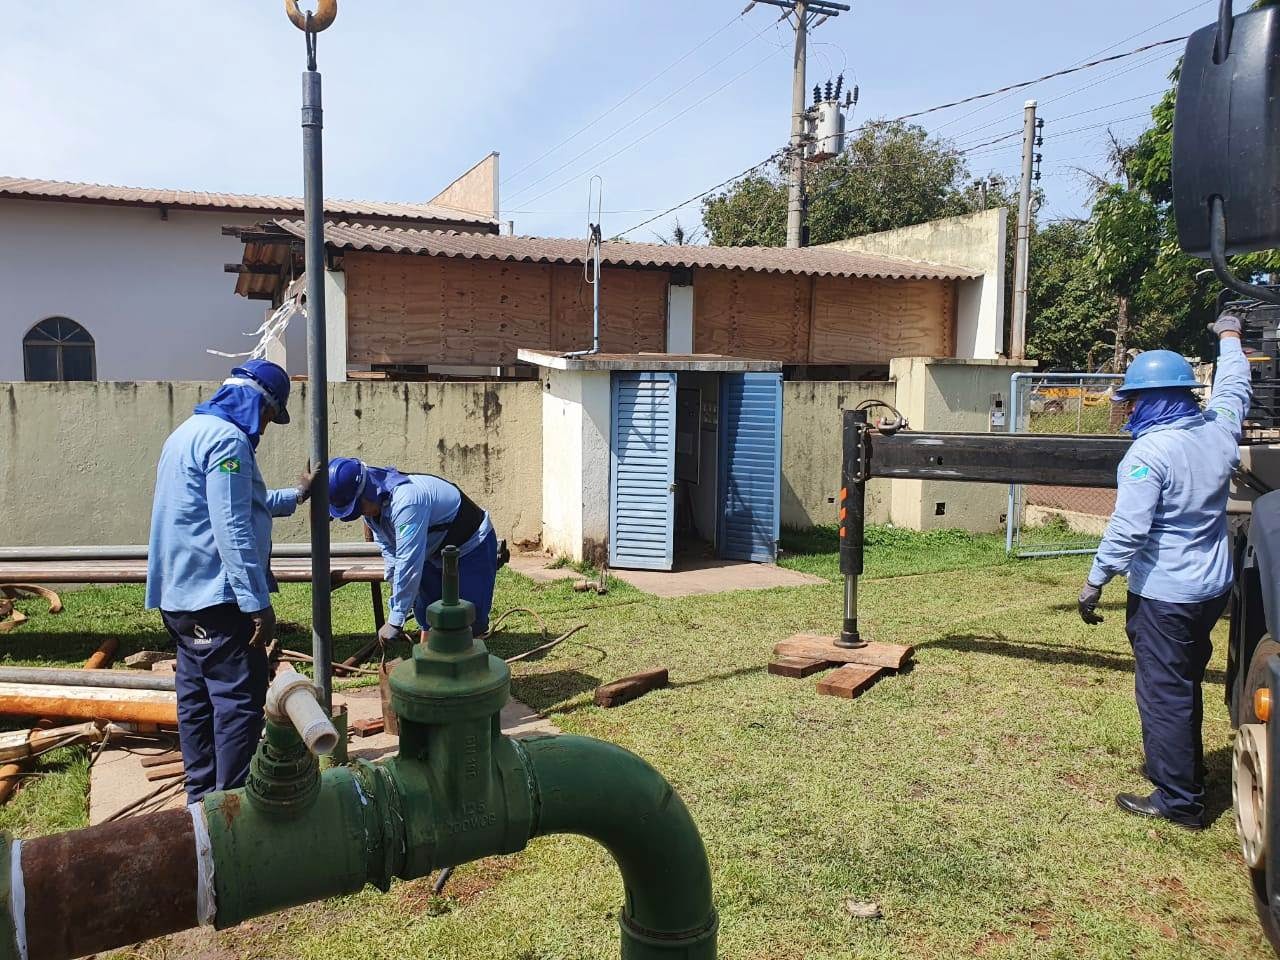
pixel 591 263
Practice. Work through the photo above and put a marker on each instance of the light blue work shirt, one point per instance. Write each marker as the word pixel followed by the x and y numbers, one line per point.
pixel 1169 528
pixel 410 532
pixel 211 521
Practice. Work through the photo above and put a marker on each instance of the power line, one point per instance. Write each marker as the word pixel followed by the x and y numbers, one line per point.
pixel 776 155
pixel 1105 78
pixel 1091 56
pixel 636 119
pixel 624 100
pixel 920 113
pixel 1047 76
pixel 1081 113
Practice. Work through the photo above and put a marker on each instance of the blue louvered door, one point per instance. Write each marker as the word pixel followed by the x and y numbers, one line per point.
pixel 642 471
pixel 750 465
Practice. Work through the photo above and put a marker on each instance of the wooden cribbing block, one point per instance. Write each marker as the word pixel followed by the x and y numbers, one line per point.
pixel 622 691
pixel 797 667
pixel 849 681
pixel 166 772
pixel 368 726
pixel 162 759
pixel 812 646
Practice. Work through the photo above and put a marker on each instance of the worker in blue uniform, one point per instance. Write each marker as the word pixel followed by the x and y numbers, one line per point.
pixel 1168 534
pixel 413 517
pixel 209 570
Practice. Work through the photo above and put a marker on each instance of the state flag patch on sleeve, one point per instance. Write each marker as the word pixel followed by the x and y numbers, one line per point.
pixel 230 465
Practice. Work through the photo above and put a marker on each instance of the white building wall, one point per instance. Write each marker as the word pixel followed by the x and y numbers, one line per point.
pixel 151 292
pixel 575 463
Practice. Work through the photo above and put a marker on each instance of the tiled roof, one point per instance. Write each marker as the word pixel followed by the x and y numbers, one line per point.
pixel 809 261
pixel 22 188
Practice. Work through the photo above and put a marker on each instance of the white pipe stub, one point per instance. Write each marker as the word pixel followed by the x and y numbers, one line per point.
pixel 291 699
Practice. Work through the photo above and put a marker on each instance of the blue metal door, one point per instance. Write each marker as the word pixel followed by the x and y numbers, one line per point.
pixel 642 455
pixel 750 465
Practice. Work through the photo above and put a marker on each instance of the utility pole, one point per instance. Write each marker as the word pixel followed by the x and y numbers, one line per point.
pixel 795 187
pixel 801 11
pixel 1018 321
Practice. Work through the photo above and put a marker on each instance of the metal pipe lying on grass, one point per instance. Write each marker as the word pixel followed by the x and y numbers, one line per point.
pixel 138 551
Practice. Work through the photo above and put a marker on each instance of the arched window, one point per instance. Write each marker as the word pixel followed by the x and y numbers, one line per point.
pixel 58 349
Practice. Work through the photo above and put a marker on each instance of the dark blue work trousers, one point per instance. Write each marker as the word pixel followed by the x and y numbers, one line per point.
pixel 222 686
pixel 477 573
pixel 1171 647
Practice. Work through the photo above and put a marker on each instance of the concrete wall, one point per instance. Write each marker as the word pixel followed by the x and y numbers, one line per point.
pixel 476 191
pixel 575 463
pixel 976 241
pixel 953 396
pixel 812 418
pixel 151 292
pixel 77 461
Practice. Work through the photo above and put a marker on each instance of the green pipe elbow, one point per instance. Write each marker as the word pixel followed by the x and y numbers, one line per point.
pixel 604 792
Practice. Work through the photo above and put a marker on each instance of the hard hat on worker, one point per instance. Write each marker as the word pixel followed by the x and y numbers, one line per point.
pixel 271 381
pixel 1155 370
pixel 347 477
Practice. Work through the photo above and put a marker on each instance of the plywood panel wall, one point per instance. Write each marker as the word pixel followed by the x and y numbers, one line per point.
pixel 761 316
pixel 633 310
pixel 873 321
pixel 410 309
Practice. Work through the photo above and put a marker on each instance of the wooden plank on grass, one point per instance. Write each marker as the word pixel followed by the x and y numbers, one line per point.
pixel 168 772
pixel 812 646
pixel 849 681
pixel 622 691
pixel 797 667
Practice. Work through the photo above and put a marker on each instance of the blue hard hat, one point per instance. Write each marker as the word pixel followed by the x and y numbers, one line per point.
pixel 1154 369
pixel 273 381
pixel 346 481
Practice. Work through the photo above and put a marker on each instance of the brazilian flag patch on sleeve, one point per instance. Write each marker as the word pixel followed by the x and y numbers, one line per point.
pixel 230 465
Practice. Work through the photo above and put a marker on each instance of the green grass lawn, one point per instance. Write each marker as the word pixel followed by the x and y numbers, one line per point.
pixel 970 796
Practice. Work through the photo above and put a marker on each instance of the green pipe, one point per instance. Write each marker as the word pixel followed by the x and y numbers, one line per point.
pixel 458 791
pixel 601 791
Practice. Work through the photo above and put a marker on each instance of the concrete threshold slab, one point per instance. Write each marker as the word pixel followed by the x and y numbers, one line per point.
pixel 118 777
pixel 695 577
pixel 535 567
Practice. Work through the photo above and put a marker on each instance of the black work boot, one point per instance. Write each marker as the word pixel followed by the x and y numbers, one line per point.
pixel 1146 807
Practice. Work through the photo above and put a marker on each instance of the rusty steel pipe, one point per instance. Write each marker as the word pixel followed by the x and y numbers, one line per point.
pixel 108 885
pixel 88 703
pixel 104 656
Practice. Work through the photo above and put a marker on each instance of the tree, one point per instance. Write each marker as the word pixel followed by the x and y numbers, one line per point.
pixel 1067 312
pixel 890 175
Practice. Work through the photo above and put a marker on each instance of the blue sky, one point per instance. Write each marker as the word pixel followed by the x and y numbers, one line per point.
pixel 205 95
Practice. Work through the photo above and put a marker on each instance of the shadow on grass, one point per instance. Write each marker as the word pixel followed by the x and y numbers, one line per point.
pixel 1000 645
pixel 542 691
pixel 61 647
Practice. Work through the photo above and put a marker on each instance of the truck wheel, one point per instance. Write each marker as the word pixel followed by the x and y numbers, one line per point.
pixel 1258 880
pixel 1248 789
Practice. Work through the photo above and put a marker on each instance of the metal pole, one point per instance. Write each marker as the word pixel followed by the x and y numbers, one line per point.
pixel 795 190
pixel 853 519
pixel 317 379
pixel 1018 321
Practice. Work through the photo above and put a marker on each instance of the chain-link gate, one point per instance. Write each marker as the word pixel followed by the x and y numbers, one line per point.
pixel 1045 521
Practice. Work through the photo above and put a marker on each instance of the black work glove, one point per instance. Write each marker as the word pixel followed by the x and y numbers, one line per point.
pixel 1090 596
pixel 1226 323
pixel 390 633
pixel 264 628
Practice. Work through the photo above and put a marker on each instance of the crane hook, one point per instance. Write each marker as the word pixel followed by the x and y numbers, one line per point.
pixel 326 11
